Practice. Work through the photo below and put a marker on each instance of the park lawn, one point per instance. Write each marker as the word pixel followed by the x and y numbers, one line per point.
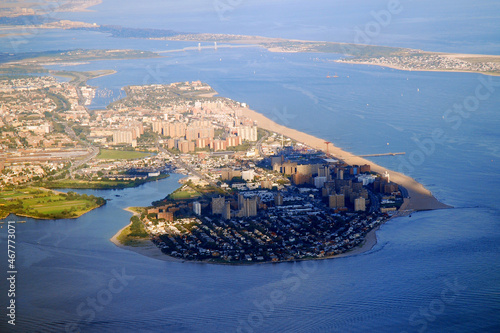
pixel 57 207
pixel 55 204
pixel 13 195
pixel 20 194
pixel 100 184
pixel 113 154
pixel 85 184
pixel 43 203
pixel 183 194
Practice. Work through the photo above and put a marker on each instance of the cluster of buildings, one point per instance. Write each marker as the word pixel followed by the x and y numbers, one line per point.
pixel 128 133
pixel 188 134
pixel 344 186
pixel 34 143
pixel 184 116
pixel 17 173
pixel 259 226
pixel 423 61
pixel 326 209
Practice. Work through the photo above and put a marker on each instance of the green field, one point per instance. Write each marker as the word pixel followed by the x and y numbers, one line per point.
pixel 100 184
pixel 113 154
pixel 46 204
pixel 183 193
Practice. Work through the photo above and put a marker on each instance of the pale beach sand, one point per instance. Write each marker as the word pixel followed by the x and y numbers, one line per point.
pixel 368 244
pixel 420 197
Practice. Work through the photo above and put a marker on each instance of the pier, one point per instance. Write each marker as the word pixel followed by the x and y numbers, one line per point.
pixel 384 154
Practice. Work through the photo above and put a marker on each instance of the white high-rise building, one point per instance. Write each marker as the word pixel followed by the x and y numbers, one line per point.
pixel 197 208
pixel 248 133
pixel 387 176
pixel 319 182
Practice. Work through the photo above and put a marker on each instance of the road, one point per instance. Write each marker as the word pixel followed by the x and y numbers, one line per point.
pixel 259 144
pixel 78 163
pixel 183 165
pixel 375 204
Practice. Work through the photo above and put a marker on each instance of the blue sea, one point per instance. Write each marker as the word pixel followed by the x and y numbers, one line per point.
pixel 436 271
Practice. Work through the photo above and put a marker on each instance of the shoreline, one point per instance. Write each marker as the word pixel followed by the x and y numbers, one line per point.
pixel 365 63
pixel 149 249
pixel 419 197
pixel 146 248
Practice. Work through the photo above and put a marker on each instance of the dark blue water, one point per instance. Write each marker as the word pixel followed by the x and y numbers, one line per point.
pixel 436 271
pixel 65 264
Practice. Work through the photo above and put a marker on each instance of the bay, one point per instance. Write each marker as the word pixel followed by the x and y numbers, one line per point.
pixel 396 287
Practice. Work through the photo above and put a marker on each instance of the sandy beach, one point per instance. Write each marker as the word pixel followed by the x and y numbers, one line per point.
pixel 368 244
pixel 420 197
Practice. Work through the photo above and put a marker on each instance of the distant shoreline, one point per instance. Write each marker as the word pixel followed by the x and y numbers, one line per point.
pixel 411 70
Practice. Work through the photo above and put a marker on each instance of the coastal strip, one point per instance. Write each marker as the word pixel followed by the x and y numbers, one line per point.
pixel 364 54
pixel 401 68
pixel 143 247
pixel 149 249
pixel 419 197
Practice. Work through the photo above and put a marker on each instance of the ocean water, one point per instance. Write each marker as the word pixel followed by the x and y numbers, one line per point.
pixel 436 271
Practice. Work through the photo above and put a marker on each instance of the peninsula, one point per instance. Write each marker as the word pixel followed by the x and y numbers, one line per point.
pixel 251 196
pixel 363 54
pixel 283 195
